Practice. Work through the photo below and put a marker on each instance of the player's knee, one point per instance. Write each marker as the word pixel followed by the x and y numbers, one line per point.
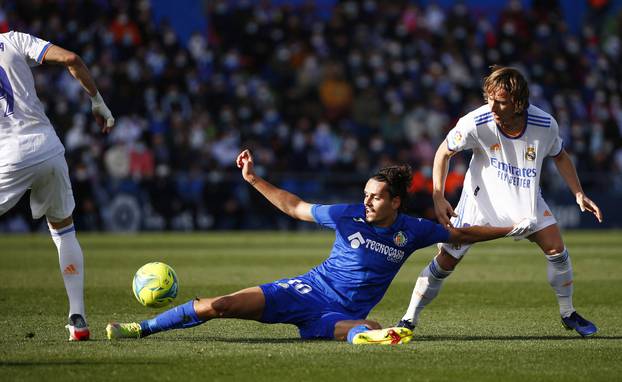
pixel 202 307
pixel 554 250
pixel 446 261
pixel 62 223
pixel 222 305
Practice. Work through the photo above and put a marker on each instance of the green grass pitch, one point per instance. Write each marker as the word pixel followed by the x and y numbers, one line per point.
pixel 495 319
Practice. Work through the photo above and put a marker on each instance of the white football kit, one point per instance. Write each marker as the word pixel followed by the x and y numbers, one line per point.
pixel 502 185
pixel 31 155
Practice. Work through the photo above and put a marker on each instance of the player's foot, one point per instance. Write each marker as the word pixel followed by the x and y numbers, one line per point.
pixel 388 336
pixel 408 324
pixel 115 330
pixel 584 327
pixel 78 329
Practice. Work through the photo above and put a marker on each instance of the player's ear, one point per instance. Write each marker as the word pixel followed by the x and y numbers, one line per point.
pixel 396 202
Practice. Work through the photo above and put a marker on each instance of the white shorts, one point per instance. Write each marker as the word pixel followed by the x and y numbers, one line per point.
pixel 51 193
pixel 470 214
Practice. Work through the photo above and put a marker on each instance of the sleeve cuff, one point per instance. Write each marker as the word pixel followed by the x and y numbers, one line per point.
pixel 560 151
pixel 448 147
pixel 313 211
pixel 43 52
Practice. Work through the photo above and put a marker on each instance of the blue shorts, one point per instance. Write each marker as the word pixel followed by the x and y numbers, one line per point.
pixel 300 302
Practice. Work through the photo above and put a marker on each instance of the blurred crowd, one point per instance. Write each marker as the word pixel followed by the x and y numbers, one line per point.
pixel 322 102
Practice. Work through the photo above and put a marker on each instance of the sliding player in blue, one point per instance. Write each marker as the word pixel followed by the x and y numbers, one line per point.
pixel 373 240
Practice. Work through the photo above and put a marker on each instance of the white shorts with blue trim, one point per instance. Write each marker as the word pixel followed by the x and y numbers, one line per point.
pixel 470 213
pixel 51 194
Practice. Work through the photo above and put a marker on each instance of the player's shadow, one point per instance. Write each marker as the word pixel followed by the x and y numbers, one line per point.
pixel 512 338
pixel 258 340
pixel 255 340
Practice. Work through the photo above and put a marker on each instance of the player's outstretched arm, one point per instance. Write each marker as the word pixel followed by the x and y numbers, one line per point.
pixel 285 201
pixel 79 71
pixel 474 234
pixel 442 208
pixel 569 173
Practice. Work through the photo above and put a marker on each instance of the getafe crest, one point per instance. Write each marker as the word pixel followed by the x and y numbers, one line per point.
pixel 400 239
pixel 530 154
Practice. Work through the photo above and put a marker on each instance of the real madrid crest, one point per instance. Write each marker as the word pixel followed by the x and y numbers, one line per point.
pixel 400 239
pixel 530 154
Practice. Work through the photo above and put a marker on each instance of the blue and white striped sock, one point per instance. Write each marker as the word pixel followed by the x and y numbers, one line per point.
pixel 426 289
pixel 559 272
pixel 71 263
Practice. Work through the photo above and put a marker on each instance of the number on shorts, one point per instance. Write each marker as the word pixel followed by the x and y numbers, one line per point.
pixel 301 287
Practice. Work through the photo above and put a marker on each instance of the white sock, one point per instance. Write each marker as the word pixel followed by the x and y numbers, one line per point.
pixel 71 266
pixel 559 271
pixel 426 289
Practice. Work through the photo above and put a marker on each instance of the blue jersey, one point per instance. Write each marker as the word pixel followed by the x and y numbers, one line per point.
pixel 365 258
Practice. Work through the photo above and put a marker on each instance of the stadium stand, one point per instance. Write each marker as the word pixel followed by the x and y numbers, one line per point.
pixel 321 97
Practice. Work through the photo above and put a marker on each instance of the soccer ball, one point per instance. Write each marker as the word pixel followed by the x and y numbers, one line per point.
pixel 155 285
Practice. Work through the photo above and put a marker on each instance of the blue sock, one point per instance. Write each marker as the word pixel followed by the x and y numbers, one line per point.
pixel 182 316
pixel 356 330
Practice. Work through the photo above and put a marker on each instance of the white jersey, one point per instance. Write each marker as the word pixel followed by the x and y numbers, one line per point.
pixel 504 173
pixel 26 134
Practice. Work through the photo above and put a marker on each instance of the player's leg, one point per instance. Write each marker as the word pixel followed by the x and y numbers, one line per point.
pixel 559 266
pixel 428 286
pixel 44 198
pixel 245 304
pixel 560 277
pixel 317 319
pixel 71 261
pixel 12 187
pixel 431 278
pixel 52 196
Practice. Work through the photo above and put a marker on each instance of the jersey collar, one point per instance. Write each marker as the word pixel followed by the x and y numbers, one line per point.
pixel 392 227
pixel 519 135
pixel 524 127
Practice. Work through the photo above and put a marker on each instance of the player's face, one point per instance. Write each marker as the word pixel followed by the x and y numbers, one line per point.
pixel 380 207
pixel 502 108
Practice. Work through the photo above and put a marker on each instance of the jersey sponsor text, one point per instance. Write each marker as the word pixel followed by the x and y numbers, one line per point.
pixel 393 254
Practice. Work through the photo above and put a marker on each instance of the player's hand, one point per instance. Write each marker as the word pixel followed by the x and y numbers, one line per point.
pixel 244 161
pixel 443 211
pixel 586 204
pixel 523 228
pixel 103 115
